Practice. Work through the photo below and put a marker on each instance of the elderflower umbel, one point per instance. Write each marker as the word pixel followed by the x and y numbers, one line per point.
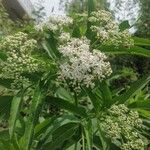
pixel 64 37
pixel 82 67
pixel 137 144
pixel 18 49
pixel 55 22
pixel 108 31
pixel 120 123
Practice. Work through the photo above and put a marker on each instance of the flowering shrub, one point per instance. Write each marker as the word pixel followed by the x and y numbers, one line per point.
pixel 121 124
pixel 82 67
pixel 107 30
pixel 19 60
pixel 64 79
pixel 55 22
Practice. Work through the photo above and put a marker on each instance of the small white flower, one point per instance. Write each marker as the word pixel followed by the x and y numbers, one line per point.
pixel 54 23
pixel 120 123
pixel 19 60
pixel 64 37
pixel 107 30
pixel 82 67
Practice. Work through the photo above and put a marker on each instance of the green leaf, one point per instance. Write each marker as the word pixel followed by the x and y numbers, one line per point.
pixel 105 93
pixel 42 127
pixel 94 99
pixel 64 94
pixel 51 43
pixel 91 6
pixel 4 134
pixel 76 31
pixel 88 134
pixel 15 143
pixel 5 143
pixel 124 25
pixel 5 105
pixel 60 135
pixel 144 113
pixel 53 122
pixel 48 129
pixel 141 41
pixel 48 49
pixel 135 50
pixel 134 88
pixel 3 56
pixel 97 142
pixel 63 128
pixel 75 147
pixel 142 104
pixel 35 108
pixel 6 83
pixel 104 141
pixel 66 105
pixel 14 112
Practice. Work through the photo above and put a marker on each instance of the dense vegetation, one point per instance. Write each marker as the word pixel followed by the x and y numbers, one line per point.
pixel 65 84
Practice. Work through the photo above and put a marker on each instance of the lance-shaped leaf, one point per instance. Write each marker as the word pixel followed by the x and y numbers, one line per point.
pixel 14 112
pixel 35 108
pixel 66 105
pixel 134 88
pixel 60 135
pixel 135 50
pixel 141 41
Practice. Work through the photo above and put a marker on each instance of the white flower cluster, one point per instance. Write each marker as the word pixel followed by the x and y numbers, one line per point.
pixel 54 23
pixel 136 144
pixel 82 67
pixel 107 30
pixel 64 37
pixel 18 49
pixel 120 123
